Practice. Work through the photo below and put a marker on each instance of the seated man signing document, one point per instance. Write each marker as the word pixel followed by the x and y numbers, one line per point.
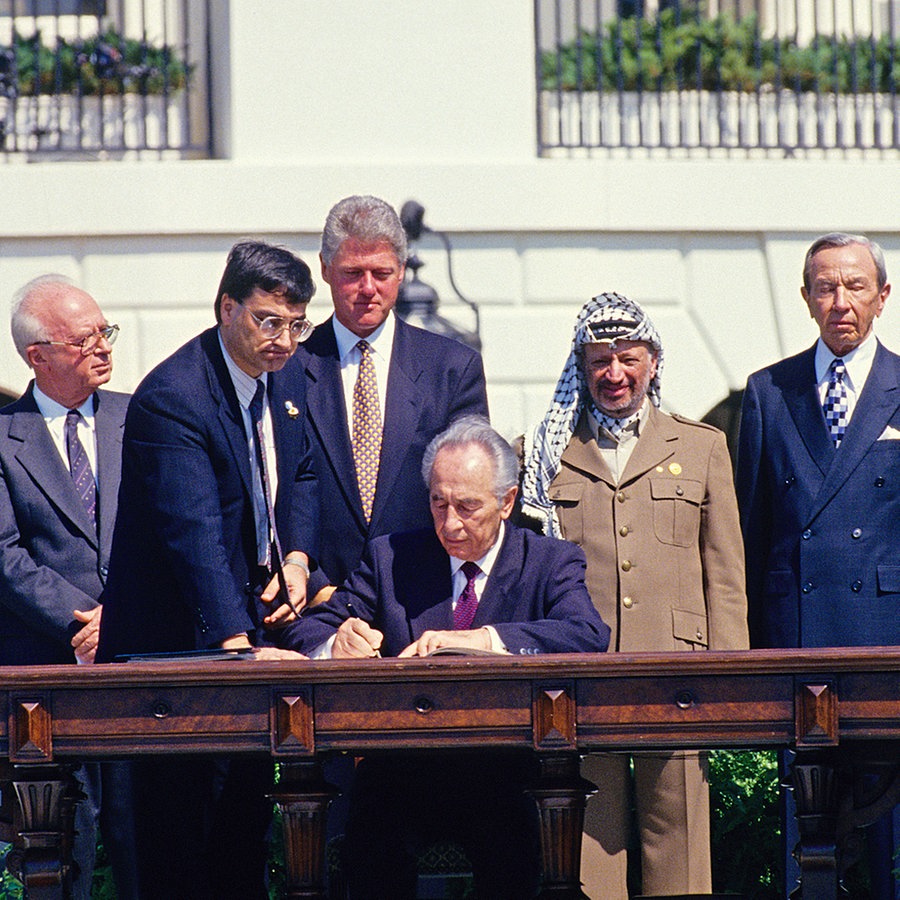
pixel 474 581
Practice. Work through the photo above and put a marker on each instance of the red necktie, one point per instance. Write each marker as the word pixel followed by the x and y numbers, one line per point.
pixel 468 601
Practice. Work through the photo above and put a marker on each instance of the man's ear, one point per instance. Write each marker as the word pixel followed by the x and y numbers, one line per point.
pixel 35 355
pixel 508 501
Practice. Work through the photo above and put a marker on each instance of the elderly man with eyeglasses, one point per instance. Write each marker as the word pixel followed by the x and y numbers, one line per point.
pixel 60 459
pixel 212 550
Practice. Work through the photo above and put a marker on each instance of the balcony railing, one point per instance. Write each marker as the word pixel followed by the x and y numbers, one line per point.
pixel 104 78
pixel 769 76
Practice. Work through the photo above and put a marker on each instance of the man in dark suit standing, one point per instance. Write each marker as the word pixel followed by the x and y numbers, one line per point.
pixel 475 581
pixel 60 462
pixel 378 389
pixel 818 473
pixel 216 525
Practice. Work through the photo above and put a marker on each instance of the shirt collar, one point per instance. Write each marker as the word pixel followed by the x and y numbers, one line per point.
pixel 244 384
pixel 486 563
pixel 858 361
pixel 50 409
pixel 380 340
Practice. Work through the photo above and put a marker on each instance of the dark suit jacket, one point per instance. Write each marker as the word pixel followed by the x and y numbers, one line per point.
pixel 535 596
pixel 184 550
pixel 52 560
pixel 432 381
pixel 820 526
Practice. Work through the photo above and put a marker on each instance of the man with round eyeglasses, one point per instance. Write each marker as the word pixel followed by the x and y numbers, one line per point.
pixel 60 461
pixel 215 539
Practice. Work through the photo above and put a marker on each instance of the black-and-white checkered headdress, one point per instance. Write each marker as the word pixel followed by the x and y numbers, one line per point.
pixel 609 318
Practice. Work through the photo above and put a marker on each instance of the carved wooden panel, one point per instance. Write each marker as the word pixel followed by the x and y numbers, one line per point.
pixel 293 728
pixel 30 735
pixel 816 714
pixel 553 710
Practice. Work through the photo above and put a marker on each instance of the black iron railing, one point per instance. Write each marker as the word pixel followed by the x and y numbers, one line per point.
pixel 100 78
pixel 785 75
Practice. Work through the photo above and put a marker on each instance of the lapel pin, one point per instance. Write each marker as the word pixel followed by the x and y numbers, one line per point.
pixel 675 468
pixel 292 410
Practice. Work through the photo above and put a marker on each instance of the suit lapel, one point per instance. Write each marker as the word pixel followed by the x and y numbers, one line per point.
pixel 39 456
pixel 109 428
pixel 657 443
pixel 328 413
pixel 878 402
pixel 801 396
pixel 427 594
pixel 583 454
pixel 499 590
pixel 402 410
pixel 223 393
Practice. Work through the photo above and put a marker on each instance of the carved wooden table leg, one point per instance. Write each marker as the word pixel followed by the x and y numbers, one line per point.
pixel 303 796
pixel 816 795
pixel 561 796
pixel 46 798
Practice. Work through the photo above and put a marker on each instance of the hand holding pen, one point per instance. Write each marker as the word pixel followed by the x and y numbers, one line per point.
pixel 356 639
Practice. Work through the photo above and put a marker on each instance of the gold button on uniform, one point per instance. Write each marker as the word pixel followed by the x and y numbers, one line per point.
pixel 624 530
pixel 627 602
pixel 621 496
pixel 626 565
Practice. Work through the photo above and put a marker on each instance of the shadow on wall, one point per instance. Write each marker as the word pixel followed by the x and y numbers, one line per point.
pixel 7 396
pixel 726 416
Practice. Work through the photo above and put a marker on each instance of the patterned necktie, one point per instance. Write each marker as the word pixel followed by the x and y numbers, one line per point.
pixel 468 601
pixel 835 406
pixel 79 466
pixel 366 428
pixel 256 417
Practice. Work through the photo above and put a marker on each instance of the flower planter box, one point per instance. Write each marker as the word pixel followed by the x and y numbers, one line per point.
pixel 767 119
pixel 114 123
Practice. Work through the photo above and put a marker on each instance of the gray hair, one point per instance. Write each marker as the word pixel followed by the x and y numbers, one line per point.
pixel 468 430
pixel 843 239
pixel 25 325
pixel 367 219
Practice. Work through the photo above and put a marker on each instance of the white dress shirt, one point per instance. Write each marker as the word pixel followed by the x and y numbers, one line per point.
pixel 381 340
pixel 55 416
pixel 858 362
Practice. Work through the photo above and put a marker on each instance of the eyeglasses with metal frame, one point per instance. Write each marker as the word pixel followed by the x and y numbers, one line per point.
pixel 89 343
pixel 272 326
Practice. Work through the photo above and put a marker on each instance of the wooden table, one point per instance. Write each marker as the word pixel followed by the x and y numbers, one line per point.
pixel 840 710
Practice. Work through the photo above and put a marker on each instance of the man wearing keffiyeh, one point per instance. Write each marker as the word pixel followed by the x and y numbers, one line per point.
pixel 650 499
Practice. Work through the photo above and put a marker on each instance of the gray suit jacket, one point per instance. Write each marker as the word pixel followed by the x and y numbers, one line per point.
pixel 52 561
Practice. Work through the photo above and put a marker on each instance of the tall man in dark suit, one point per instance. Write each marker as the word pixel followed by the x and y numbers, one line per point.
pixel 215 522
pixel 472 580
pixel 818 475
pixel 373 409
pixel 60 461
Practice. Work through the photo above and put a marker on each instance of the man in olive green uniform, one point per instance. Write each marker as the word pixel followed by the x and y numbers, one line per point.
pixel 650 499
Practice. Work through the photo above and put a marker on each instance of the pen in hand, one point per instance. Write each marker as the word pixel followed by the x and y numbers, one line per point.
pixel 355 615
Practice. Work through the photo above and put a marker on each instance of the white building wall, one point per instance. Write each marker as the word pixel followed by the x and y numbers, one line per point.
pixel 436 102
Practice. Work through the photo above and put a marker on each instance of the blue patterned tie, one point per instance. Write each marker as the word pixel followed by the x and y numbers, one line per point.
pixel 366 428
pixel 835 406
pixel 79 466
pixel 467 603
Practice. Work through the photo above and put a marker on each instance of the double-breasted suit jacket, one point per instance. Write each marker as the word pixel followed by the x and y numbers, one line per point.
pixel 820 525
pixel 534 596
pixel 663 546
pixel 52 558
pixel 184 551
pixel 432 381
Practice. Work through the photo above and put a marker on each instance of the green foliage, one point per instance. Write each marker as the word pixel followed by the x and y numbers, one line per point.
pixel 103 64
pixel 746 827
pixel 681 51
